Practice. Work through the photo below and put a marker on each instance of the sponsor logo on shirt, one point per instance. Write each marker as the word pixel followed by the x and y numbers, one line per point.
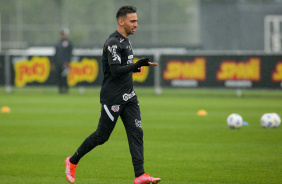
pixel 130 59
pixel 126 96
pixel 129 47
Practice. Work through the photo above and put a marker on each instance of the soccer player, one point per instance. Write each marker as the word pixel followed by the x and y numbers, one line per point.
pixel 118 98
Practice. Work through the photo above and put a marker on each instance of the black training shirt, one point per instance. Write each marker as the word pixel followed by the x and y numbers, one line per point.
pixel 63 51
pixel 117 89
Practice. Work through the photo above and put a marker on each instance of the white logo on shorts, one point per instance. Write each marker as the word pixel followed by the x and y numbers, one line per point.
pixel 138 123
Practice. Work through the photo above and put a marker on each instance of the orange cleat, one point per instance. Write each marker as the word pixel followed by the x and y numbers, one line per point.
pixel 146 179
pixel 70 170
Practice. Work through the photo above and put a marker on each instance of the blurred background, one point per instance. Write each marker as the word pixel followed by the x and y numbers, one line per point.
pixel 197 43
pixel 191 24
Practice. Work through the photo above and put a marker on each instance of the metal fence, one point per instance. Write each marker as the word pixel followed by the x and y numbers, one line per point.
pixel 26 23
pixel 192 24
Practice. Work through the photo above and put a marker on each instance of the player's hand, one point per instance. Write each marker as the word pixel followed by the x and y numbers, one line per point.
pixel 152 64
pixel 146 62
pixel 143 62
pixel 66 65
pixel 53 67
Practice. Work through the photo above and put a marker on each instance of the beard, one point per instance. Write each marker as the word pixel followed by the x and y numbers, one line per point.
pixel 129 30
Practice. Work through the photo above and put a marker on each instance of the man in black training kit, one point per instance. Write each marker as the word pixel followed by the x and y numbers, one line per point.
pixel 118 98
pixel 63 53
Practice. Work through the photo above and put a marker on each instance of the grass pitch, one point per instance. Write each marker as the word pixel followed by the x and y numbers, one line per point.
pixel 44 128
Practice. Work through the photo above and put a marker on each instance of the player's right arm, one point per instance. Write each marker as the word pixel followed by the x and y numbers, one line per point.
pixel 113 51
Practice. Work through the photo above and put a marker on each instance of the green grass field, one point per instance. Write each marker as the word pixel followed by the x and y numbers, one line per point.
pixel 44 128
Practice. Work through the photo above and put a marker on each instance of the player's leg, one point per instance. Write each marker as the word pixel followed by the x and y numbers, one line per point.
pixel 65 87
pixel 105 127
pixel 131 118
pixel 59 77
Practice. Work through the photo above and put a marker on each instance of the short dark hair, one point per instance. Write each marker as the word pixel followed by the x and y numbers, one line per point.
pixel 124 10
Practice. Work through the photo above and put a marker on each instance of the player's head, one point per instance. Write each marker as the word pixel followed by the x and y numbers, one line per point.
pixel 124 10
pixel 64 32
pixel 127 20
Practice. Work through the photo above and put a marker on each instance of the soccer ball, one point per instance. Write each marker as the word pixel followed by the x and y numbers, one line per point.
pixel 270 120
pixel 234 121
pixel 277 120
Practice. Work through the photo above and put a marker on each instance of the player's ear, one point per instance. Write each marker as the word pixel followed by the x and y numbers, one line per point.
pixel 121 21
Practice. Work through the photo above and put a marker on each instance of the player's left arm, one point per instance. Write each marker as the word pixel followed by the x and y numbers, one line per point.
pixel 118 70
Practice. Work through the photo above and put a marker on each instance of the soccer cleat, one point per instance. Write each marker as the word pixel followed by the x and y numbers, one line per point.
pixel 70 170
pixel 146 179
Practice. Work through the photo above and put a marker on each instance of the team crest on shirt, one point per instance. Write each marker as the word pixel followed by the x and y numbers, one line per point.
pixel 65 43
pixel 115 108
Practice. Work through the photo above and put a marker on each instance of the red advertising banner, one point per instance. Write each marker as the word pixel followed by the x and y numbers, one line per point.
pixel 231 71
pixel 184 71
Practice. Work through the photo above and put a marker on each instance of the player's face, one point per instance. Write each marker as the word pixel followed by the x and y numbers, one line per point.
pixel 130 23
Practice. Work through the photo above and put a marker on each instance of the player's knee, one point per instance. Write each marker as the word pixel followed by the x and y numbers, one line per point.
pixel 103 140
pixel 99 138
pixel 138 132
